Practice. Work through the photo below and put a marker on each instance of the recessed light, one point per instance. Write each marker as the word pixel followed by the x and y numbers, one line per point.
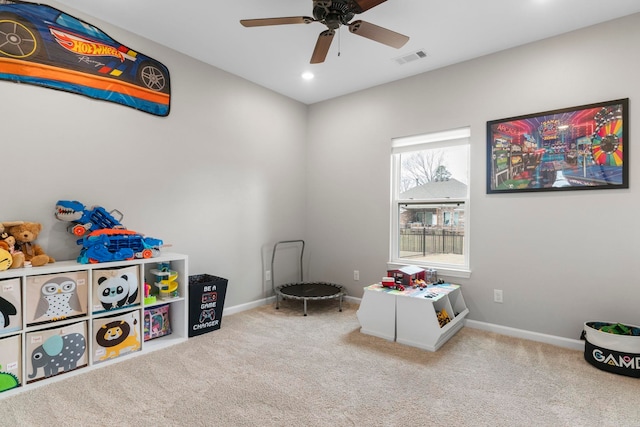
pixel 307 75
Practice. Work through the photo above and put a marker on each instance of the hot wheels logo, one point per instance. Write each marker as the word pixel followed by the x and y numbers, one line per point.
pixel 84 47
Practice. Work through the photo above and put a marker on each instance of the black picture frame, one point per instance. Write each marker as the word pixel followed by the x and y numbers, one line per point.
pixel 576 148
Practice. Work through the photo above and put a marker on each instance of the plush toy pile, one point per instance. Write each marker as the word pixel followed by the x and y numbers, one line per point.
pixel 18 245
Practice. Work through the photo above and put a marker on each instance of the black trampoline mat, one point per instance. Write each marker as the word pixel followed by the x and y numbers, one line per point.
pixel 310 290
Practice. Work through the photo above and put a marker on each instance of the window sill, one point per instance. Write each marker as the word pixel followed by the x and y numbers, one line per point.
pixel 446 271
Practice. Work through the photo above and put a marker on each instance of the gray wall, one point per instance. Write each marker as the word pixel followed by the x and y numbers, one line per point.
pixel 220 176
pixel 236 167
pixel 561 258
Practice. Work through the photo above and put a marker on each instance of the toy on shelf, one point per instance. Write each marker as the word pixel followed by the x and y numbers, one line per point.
pixel 86 220
pixel 166 281
pixel 409 276
pixel 148 298
pixel 7 242
pixel 443 317
pixel 156 322
pixel 25 235
pixel 390 282
pixel 116 245
pixel 104 237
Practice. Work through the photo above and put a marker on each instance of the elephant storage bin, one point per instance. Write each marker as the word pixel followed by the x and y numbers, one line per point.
pixel 56 350
pixel 52 297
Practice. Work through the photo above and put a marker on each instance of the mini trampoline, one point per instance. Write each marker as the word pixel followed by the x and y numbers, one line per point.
pixel 305 291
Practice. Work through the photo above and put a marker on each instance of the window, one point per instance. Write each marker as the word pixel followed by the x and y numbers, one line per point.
pixel 430 200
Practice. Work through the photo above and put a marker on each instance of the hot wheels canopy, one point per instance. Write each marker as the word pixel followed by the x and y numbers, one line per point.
pixel 44 46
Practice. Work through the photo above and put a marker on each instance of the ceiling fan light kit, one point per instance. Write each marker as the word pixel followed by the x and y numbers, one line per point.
pixel 333 14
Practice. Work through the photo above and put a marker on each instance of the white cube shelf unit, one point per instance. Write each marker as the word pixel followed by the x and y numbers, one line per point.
pixel 29 329
pixel 411 316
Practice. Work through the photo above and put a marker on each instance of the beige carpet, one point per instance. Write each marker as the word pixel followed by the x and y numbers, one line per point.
pixel 277 368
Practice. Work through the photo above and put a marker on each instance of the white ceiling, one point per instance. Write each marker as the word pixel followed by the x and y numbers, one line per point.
pixel 449 31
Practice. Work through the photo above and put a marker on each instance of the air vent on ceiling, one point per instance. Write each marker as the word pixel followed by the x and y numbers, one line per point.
pixel 418 54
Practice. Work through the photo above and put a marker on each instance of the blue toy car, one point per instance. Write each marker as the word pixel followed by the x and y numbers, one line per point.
pixel 116 245
pixel 44 46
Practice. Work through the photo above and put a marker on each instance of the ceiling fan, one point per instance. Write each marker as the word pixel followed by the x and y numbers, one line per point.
pixel 333 14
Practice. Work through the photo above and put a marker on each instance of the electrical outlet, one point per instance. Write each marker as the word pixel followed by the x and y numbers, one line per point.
pixel 497 295
pixel 267 275
pixel 356 275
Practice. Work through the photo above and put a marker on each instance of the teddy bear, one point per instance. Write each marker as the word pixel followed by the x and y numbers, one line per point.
pixel 25 235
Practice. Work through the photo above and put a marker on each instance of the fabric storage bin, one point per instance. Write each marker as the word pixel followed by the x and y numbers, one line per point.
pixel 206 303
pixel 619 354
pixel 115 288
pixel 116 336
pixel 55 350
pixel 10 362
pixel 157 322
pixel 10 306
pixel 53 297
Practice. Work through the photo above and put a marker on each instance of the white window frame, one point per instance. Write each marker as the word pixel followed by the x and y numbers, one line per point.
pixel 443 139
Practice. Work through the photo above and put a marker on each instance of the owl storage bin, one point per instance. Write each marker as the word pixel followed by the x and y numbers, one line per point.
pixel 10 306
pixel 115 288
pixel 116 336
pixel 52 297
pixel 55 351
pixel 10 362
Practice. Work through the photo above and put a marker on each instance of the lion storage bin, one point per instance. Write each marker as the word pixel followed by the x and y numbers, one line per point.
pixel 55 351
pixel 115 288
pixel 116 336
pixel 10 306
pixel 613 352
pixel 54 297
pixel 10 365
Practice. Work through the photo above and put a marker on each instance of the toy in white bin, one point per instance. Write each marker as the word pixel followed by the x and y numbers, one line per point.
pixel 166 281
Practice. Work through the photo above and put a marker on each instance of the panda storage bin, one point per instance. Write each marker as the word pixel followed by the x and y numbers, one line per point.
pixel 54 297
pixel 115 288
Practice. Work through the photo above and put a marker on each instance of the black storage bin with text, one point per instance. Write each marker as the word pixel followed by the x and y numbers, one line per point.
pixel 206 302
pixel 619 354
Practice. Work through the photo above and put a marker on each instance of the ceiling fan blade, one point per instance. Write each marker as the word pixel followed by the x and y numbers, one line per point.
pixel 322 46
pixel 364 5
pixel 378 34
pixel 276 21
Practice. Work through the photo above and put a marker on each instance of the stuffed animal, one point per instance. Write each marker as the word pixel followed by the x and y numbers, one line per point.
pixel 5 257
pixel 25 235
pixel 10 243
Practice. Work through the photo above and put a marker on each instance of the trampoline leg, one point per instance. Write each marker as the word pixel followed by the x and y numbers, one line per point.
pixel 305 306
pixel 277 302
pixel 340 304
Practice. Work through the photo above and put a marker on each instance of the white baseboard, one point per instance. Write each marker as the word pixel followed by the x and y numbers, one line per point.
pixel 527 335
pixel 475 324
pixel 248 306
